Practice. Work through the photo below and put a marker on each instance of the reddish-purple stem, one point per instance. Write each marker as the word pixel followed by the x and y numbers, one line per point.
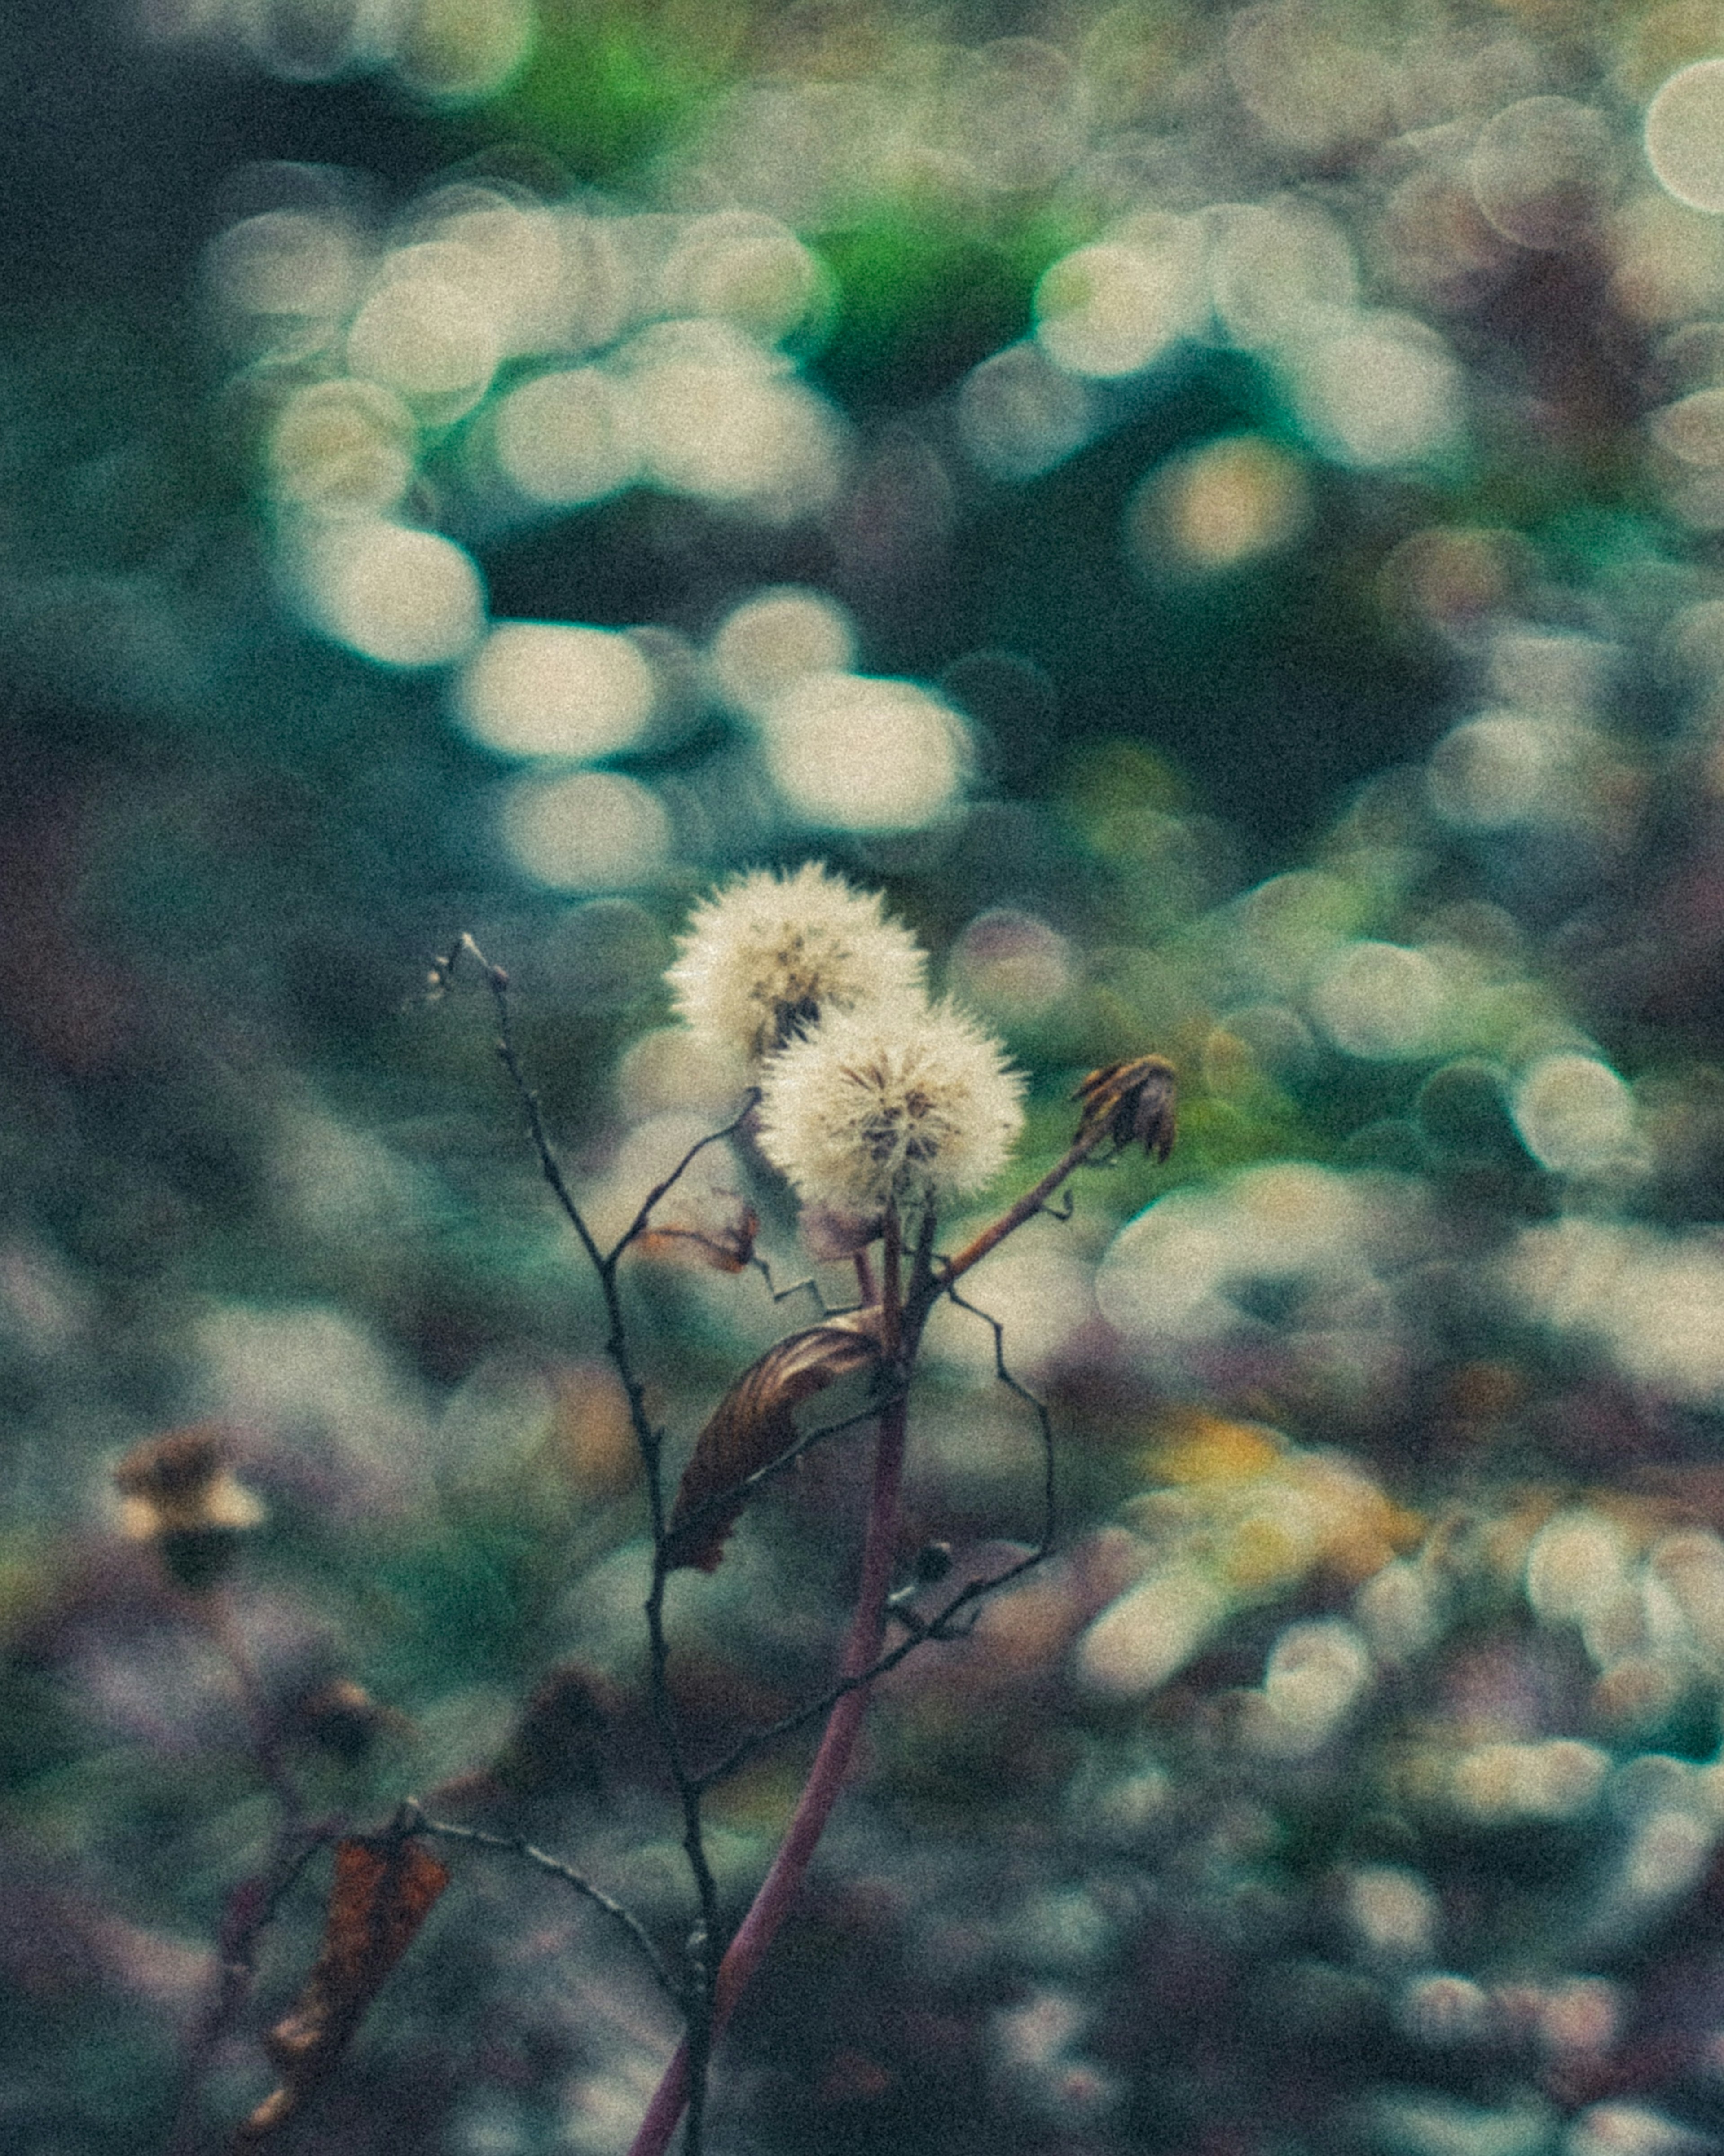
pixel 780 1887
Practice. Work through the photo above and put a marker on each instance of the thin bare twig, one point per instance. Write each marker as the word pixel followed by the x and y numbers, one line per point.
pixel 1036 1406
pixel 810 1286
pixel 419 1821
pixel 250 1909
pixel 1035 1200
pixel 650 1442
pixel 251 1905
pixel 637 1226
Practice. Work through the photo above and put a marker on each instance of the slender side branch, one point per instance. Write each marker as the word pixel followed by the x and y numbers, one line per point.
pixel 1036 1406
pixel 1035 1200
pixel 419 1821
pixel 637 1226
pixel 497 980
pixel 1124 1104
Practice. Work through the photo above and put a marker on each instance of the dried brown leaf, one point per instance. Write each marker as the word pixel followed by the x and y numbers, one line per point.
pixel 754 1423
pixel 383 1891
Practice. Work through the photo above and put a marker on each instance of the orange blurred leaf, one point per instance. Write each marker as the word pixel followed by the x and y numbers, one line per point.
pixel 726 1249
pixel 382 1892
pixel 754 1423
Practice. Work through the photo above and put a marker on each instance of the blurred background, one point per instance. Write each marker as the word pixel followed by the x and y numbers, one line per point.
pixel 1217 511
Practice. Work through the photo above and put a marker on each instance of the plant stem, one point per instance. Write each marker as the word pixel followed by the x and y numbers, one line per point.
pixel 826 1777
pixel 1030 1203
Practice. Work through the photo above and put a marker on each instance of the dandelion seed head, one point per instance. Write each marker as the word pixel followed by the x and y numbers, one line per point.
pixel 901 1101
pixel 768 955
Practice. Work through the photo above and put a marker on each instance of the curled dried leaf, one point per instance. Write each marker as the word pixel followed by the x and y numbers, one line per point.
pixel 1132 1103
pixel 754 1424
pixel 383 1891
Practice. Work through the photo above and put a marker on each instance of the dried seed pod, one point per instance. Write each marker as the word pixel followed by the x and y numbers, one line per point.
pixel 1132 1103
pixel 933 1562
pixel 342 1718
pixel 181 1493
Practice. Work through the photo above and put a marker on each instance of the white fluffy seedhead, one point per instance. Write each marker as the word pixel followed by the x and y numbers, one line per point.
pixel 768 955
pixel 903 1103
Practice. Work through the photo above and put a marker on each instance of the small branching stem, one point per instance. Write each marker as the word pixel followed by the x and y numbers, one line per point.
pixel 416 1820
pixel 249 1911
pixel 251 1907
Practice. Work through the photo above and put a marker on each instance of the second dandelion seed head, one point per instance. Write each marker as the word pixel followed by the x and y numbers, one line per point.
pixel 899 1102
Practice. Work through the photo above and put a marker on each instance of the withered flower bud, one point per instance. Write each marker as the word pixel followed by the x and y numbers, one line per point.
pixel 180 1492
pixel 933 1562
pixel 341 1718
pixel 558 1743
pixel 1132 1103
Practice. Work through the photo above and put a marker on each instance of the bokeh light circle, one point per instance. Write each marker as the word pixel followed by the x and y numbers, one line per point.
pixel 426 336
pixel 1381 393
pixel 542 688
pixel 568 437
pixel 1109 309
pixel 743 268
pixel 1542 169
pixel 1218 507
pixel 401 596
pixel 455 51
pixel 1018 414
pixel 1380 1001
pixel 1278 271
pixel 1685 134
pixel 595 830
pixel 284 263
pixel 724 421
pixel 1573 1113
pixel 342 449
pixel 775 637
pixel 854 753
